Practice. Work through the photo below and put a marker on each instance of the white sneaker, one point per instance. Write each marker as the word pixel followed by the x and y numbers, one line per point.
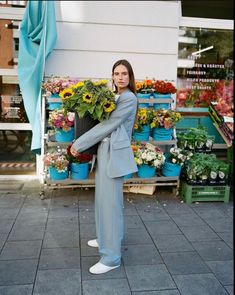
pixel 100 268
pixel 93 243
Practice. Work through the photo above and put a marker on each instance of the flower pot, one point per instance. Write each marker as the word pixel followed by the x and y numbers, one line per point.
pixel 55 105
pixel 128 176
pixel 79 170
pixel 143 135
pixel 158 106
pixel 63 136
pixel 162 134
pixel 171 169
pixel 56 175
pixel 144 96
pixel 81 126
pixel 145 171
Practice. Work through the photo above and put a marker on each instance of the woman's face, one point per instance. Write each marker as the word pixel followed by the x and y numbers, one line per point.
pixel 121 77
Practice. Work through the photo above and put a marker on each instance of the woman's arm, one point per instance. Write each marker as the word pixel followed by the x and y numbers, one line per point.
pixel 126 105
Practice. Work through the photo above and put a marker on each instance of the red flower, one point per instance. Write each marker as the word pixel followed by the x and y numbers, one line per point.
pixel 163 87
pixel 81 158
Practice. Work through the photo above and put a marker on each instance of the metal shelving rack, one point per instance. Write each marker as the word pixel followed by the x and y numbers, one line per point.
pixel 90 182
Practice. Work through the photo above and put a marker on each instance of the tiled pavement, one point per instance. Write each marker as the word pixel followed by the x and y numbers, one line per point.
pixel 170 248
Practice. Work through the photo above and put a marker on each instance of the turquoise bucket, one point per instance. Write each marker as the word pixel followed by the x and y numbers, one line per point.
pixel 128 176
pixel 143 135
pixel 55 105
pixel 145 171
pixel 162 134
pixel 158 106
pixel 63 136
pixel 145 96
pixel 79 170
pixel 56 175
pixel 171 169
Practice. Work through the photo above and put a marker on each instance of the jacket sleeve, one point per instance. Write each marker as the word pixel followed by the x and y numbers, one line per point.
pixel 126 105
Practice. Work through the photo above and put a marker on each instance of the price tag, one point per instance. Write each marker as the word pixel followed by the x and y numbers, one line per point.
pixel 228 119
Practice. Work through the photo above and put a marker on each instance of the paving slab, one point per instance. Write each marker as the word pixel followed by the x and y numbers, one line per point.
pixel 16 290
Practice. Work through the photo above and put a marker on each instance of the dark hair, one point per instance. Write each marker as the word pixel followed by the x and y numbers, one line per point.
pixel 125 63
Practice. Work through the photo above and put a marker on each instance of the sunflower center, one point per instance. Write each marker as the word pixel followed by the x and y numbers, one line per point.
pixel 107 105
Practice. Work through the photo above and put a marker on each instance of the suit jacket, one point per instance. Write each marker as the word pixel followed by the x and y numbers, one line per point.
pixel 120 160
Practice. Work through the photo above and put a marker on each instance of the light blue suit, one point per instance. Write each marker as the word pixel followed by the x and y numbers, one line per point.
pixel 114 160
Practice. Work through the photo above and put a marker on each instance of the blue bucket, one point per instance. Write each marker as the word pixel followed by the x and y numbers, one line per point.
pixel 171 169
pixel 145 96
pixel 143 135
pixel 63 136
pixel 56 175
pixel 158 106
pixel 162 134
pixel 55 105
pixel 128 176
pixel 145 171
pixel 79 170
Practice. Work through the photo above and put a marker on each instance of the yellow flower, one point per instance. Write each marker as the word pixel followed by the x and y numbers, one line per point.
pixel 66 93
pixel 135 126
pixel 78 85
pixel 87 97
pixel 100 82
pixel 109 106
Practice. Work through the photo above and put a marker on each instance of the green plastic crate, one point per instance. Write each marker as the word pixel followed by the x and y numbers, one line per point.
pixel 200 193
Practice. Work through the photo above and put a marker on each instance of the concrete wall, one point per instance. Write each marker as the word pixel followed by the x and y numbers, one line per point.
pixel 93 35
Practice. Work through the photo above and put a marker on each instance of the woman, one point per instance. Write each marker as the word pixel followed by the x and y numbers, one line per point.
pixel 114 160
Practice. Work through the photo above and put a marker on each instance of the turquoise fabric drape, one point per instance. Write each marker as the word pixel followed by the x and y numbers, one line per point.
pixel 37 38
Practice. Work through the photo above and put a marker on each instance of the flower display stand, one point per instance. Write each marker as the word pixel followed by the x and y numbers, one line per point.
pixel 202 193
pixel 144 96
pixel 138 184
pixel 54 102
pixel 161 105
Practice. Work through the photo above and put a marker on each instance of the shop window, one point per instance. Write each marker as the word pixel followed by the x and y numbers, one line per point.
pixel 205 67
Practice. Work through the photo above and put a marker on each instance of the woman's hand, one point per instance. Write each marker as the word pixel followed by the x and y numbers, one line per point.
pixel 74 152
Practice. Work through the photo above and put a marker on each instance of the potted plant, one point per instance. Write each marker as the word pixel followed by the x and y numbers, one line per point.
pixel 78 164
pixel 63 124
pixel 142 124
pixel 148 158
pixel 163 122
pixel 175 159
pixel 163 89
pixel 92 102
pixel 57 165
pixel 53 86
pixel 144 90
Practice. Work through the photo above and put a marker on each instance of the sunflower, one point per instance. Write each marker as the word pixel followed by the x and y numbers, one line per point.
pixel 78 85
pixel 87 97
pixel 66 93
pixel 109 106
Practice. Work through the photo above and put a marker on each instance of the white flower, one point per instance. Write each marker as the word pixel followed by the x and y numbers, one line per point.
pixel 144 155
pixel 173 160
pixel 71 116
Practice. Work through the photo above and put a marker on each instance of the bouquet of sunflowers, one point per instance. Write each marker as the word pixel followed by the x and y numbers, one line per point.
pixel 144 117
pixel 89 98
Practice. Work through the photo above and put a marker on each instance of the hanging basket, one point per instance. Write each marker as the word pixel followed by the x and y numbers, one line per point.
pixel 63 136
pixel 56 175
pixel 145 171
pixel 81 126
pixel 79 170
pixel 162 134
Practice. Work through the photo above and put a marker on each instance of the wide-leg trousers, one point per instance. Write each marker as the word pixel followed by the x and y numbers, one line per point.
pixel 108 209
